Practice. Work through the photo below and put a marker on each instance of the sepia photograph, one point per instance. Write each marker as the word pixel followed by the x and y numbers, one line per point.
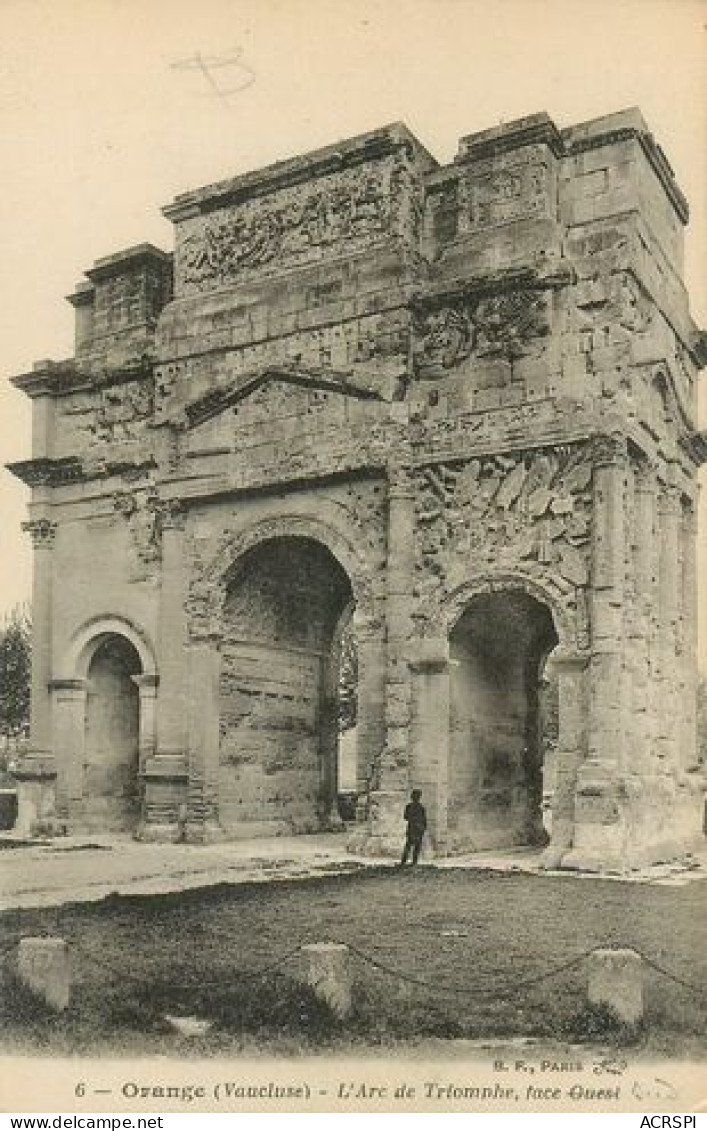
pixel 353 560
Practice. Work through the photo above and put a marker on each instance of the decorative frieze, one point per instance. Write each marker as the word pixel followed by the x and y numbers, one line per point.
pixel 343 211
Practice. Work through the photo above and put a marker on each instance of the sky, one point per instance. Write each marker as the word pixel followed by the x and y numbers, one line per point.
pixel 105 115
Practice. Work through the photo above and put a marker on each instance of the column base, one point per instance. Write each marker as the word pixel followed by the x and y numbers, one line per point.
pixel 36 796
pixel 385 834
pixel 207 832
pixel 168 833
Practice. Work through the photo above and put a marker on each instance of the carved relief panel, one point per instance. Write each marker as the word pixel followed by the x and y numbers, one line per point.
pixel 340 212
pixel 521 187
pixel 528 510
pixel 494 325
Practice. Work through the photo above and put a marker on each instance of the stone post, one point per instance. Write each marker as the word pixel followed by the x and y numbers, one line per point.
pixel 203 715
pixel 429 736
pixel 328 973
pixel 615 979
pixel 36 772
pixel 43 966
pixel 598 835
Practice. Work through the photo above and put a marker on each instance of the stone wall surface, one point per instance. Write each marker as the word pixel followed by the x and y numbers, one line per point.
pixel 442 397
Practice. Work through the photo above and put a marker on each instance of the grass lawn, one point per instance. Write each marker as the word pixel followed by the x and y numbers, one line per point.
pixel 471 937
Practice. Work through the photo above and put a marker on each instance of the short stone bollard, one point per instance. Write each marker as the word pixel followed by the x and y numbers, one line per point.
pixel 328 972
pixel 616 980
pixel 43 966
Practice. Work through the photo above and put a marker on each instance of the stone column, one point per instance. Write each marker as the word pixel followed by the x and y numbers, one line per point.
pixel 36 772
pixel 598 834
pixel 641 755
pixel 689 634
pixel 387 801
pixel 370 729
pixel 42 532
pixel 429 737
pixel 669 586
pixel 327 809
pixel 163 715
pixel 172 638
pixel 571 671
pixel 203 711
pixel 69 726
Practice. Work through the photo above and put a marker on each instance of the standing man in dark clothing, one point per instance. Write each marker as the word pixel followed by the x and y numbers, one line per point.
pixel 416 818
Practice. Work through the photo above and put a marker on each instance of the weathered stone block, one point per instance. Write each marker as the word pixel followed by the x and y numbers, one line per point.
pixel 615 979
pixel 43 966
pixel 328 973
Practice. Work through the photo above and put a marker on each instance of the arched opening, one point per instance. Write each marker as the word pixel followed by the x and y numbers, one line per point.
pixel 498 649
pixel 111 759
pixel 279 688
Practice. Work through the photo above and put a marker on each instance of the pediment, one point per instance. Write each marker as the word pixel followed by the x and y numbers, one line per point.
pixel 278 391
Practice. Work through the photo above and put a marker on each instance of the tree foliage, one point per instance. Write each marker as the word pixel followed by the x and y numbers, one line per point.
pixel 15 662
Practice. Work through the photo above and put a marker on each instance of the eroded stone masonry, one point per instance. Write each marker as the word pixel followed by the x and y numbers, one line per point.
pixel 456 404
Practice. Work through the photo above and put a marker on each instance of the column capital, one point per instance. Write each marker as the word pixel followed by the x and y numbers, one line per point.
pixel 669 498
pixel 431 654
pixel 610 450
pixel 77 685
pixel 172 514
pixel 41 531
pixel 367 626
pixel 146 682
pixel 400 483
pixel 646 475
pixel 562 660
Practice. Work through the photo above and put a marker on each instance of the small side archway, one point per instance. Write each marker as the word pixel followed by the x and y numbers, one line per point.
pixel 501 634
pixel 105 711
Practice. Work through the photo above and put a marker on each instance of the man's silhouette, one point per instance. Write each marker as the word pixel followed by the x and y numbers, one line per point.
pixel 416 818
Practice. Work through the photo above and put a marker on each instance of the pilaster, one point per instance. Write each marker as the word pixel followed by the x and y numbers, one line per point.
pixel 388 799
pixel 36 772
pixel 429 737
pixel 669 587
pixel 571 670
pixel 68 724
pixel 599 834
pixel 202 709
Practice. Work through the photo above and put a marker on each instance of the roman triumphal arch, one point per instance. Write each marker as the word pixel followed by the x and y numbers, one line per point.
pixel 448 409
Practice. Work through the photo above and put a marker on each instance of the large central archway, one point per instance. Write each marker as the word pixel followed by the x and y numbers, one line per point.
pixel 498 648
pixel 284 603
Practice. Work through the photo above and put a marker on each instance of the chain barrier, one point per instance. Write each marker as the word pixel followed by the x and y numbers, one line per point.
pixel 196 984
pixel 497 989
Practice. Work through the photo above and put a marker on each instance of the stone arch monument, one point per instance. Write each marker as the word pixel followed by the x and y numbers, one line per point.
pixel 462 400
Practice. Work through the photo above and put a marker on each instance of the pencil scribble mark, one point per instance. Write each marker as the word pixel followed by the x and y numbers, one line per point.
pixel 207 64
